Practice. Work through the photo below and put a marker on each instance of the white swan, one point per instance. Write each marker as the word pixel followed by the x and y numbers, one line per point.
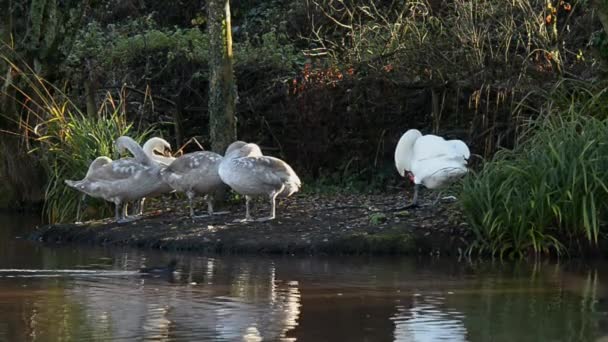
pixel 157 149
pixel 96 164
pixel 197 173
pixel 160 145
pixel 430 160
pixel 122 180
pixel 250 173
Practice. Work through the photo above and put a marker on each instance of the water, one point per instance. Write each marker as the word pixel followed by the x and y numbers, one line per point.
pixel 96 294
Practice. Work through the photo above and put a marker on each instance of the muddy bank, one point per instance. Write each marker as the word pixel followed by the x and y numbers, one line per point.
pixel 306 224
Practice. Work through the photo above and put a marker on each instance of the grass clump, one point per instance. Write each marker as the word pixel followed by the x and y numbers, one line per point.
pixel 70 142
pixel 549 195
pixel 64 138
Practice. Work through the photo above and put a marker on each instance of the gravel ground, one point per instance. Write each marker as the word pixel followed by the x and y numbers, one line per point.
pixel 305 224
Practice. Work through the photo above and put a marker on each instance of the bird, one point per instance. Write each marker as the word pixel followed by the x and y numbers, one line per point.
pixel 95 164
pixel 151 146
pixel 250 173
pixel 160 145
pixel 169 272
pixel 169 269
pixel 430 160
pixel 122 180
pixel 196 173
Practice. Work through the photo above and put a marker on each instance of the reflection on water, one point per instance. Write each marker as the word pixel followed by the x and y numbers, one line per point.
pixel 81 294
pixel 427 320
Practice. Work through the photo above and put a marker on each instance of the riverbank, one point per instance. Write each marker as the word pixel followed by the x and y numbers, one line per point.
pixel 305 224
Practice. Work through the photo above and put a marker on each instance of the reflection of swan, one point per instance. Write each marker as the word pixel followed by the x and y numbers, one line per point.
pixel 250 173
pixel 430 160
pixel 196 173
pixel 426 321
pixel 168 270
pixel 123 308
pixel 259 306
pixel 123 180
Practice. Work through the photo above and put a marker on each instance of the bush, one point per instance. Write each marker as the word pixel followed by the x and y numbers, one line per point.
pixel 71 142
pixel 550 193
pixel 64 139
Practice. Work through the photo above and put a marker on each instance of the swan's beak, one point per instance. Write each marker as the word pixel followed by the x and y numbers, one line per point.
pixel 411 177
pixel 167 153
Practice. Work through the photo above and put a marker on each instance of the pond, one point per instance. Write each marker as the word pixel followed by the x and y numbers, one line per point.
pixel 81 293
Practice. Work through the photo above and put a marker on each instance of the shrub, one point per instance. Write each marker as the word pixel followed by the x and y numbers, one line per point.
pixel 549 194
pixel 64 138
pixel 70 142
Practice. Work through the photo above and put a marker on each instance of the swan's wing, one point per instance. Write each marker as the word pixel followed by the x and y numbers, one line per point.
pixel 271 171
pixel 431 147
pixel 460 148
pixel 433 155
pixel 435 173
pixel 97 163
pixel 197 160
pixel 117 170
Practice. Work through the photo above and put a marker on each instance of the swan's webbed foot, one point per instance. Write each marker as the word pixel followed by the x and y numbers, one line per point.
pixel 408 206
pixel 209 214
pixel 82 206
pixel 137 215
pixel 247 219
pixel 444 199
pixel 448 199
pixel 414 203
pixel 264 219
pixel 128 219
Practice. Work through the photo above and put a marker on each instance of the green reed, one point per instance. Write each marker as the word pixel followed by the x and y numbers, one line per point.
pixel 549 195
pixel 64 138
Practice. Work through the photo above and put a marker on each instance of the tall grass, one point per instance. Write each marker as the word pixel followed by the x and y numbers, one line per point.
pixel 64 138
pixel 71 141
pixel 550 194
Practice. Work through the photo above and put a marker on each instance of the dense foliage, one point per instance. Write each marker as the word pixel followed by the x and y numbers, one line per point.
pixel 66 140
pixel 549 194
pixel 328 85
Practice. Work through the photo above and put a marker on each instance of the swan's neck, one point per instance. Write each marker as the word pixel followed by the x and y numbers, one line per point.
pixel 403 152
pixel 135 149
pixel 161 159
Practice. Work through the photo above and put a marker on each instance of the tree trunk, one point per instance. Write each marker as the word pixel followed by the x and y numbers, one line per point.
pixel 89 91
pixel 222 86
pixel 601 9
pixel 7 92
pixel 178 120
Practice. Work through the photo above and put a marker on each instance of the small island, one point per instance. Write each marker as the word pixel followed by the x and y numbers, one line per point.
pixel 308 225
